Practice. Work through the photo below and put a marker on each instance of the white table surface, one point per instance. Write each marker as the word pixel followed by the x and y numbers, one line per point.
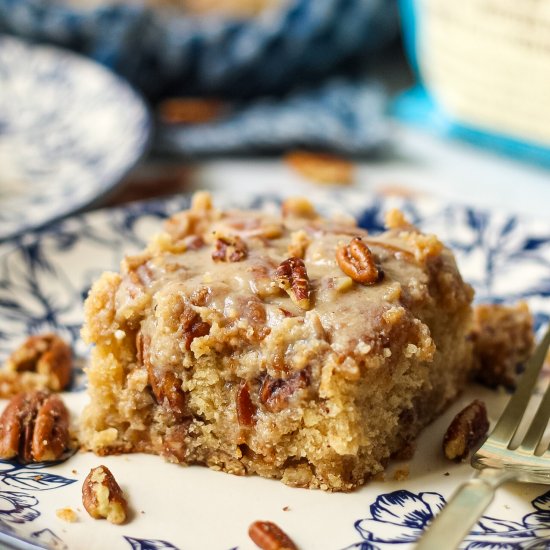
pixel 420 164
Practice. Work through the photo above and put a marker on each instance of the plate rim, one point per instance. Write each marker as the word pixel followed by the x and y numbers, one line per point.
pixel 179 199
pixel 108 186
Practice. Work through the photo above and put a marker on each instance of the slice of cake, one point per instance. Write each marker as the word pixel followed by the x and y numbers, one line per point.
pixel 292 347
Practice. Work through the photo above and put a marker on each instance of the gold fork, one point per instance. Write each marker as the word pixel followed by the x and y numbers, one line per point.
pixel 498 462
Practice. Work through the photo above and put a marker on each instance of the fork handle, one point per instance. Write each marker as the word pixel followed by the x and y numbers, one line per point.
pixel 463 510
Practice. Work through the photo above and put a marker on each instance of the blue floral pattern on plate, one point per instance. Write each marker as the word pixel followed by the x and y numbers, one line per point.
pixel 399 518
pixel 69 131
pixel 22 505
pixel 45 274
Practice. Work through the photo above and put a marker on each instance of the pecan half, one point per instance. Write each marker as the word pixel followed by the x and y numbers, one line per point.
pixel 357 261
pixel 34 427
pixel 102 496
pixel 269 536
pixel 229 249
pixel 276 392
pixel 166 386
pixel 291 276
pixel 466 430
pixel 246 410
pixel 45 354
pixel 321 167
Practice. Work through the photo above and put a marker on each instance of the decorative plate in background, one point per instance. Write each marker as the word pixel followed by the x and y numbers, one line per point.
pixel 69 131
pixel 43 279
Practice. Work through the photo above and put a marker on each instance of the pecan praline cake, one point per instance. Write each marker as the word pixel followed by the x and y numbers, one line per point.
pixel 288 346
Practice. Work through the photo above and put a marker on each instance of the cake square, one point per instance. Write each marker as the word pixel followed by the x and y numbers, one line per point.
pixel 288 346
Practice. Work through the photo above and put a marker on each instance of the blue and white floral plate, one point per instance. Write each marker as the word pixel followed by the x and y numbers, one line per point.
pixel 69 131
pixel 45 275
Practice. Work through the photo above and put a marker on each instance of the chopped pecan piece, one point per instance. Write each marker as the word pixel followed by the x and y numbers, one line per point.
pixel 193 221
pixel 102 496
pixel 193 242
pixel 357 261
pixel 166 386
pixel 201 296
pixel 291 276
pixel 34 427
pixel 192 326
pixel 174 446
pixel 269 536
pixel 276 392
pixel 466 430
pixel 229 249
pixel 45 354
pixel 246 410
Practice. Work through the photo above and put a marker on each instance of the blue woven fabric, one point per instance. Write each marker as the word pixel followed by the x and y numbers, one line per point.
pixel 341 116
pixel 306 39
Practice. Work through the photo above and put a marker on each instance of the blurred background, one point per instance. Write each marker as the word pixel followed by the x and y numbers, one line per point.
pixel 405 98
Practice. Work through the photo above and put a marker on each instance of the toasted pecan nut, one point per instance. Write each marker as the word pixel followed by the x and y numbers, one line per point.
pixel 190 110
pixel 269 536
pixel 201 296
pixel 291 276
pixel 192 326
pixel 466 430
pixel 229 249
pixel 246 410
pixel 275 393
pixel 45 354
pixel 34 427
pixel 174 444
pixel 357 261
pixel 321 167
pixel 102 496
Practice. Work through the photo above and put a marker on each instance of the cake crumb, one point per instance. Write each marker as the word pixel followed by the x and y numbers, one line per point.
pixel 286 509
pixel 380 476
pixel 446 474
pixel 503 340
pixel 74 472
pixel 66 514
pixel 401 474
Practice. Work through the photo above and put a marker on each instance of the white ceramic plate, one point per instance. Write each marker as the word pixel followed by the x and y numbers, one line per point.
pixel 43 278
pixel 69 131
